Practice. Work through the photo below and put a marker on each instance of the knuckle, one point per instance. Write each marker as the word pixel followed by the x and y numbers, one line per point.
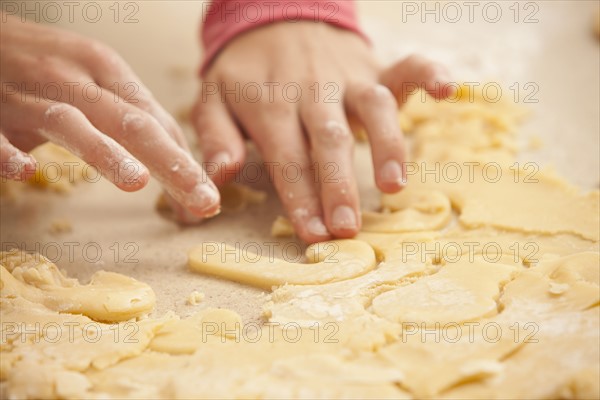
pixel 279 109
pixel 103 58
pixel 284 156
pixel 333 133
pixel 57 113
pixel 338 187
pixel 49 68
pixel 377 95
pixel 135 123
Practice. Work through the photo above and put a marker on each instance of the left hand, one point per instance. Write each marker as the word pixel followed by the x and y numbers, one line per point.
pixel 337 77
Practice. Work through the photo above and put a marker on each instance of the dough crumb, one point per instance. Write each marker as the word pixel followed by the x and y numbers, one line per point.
pixel 60 226
pixel 58 170
pixel 558 288
pixel 183 115
pixel 234 198
pixel 195 298
pixel 282 228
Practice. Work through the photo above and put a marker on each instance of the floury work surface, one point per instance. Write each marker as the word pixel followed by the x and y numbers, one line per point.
pixel 562 93
pixel 502 267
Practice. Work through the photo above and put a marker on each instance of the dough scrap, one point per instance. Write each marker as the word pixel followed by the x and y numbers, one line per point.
pixel 234 198
pixel 108 297
pixel 51 334
pixel 60 226
pixel 58 170
pixel 470 129
pixel 411 210
pixel 559 330
pixel 328 262
pixel 187 335
pixel 195 298
pixel 496 200
pixel 459 292
pixel 519 285
pixel 282 228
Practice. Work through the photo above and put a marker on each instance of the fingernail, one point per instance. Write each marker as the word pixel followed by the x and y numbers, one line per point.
pixel 204 197
pixel 221 159
pixel 344 218
pixel 315 226
pixel 391 172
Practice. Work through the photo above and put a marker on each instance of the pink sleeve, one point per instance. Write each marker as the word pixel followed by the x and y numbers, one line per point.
pixel 225 19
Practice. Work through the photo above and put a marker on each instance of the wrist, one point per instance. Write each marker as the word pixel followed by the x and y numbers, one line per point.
pixel 226 19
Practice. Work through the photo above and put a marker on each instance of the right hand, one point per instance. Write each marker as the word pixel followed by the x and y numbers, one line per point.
pixel 78 93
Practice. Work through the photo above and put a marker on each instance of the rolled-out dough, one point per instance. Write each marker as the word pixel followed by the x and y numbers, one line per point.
pixel 462 289
pixel 327 262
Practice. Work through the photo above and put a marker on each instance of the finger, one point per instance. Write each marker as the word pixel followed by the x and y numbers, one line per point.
pixel 180 213
pixel 377 109
pixel 66 126
pixel 176 170
pixel 15 164
pixel 113 74
pixel 332 144
pixel 416 72
pixel 223 148
pixel 277 132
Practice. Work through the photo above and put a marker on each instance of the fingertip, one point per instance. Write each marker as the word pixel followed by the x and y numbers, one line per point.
pixel 178 212
pixel 134 184
pixel 440 85
pixel 344 222
pixel 314 231
pixel 222 167
pixel 204 200
pixel 390 178
pixel 15 164
pixel 131 175
pixel 390 188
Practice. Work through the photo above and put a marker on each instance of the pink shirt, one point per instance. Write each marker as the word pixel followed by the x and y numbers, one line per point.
pixel 225 19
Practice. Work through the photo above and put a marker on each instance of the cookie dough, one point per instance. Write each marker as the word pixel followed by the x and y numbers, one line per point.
pixel 520 200
pixel 459 292
pixel 463 289
pixel 282 228
pixel 410 210
pixel 108 297
pixel 195 298
pixel 327 262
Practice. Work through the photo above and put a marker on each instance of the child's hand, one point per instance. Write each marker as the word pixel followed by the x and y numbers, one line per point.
pixel 78 93
pixel 338 77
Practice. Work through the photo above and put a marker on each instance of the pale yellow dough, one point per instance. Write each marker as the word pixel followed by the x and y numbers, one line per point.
pixel 195 298
pixel 453 290
pixel 282 228
pixel 413 209
pixel 328 262
pixel 108 296
pixel 518 200
pixel 459 292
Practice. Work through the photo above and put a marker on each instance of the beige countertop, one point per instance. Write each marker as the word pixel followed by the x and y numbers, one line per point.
pixel 559 55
